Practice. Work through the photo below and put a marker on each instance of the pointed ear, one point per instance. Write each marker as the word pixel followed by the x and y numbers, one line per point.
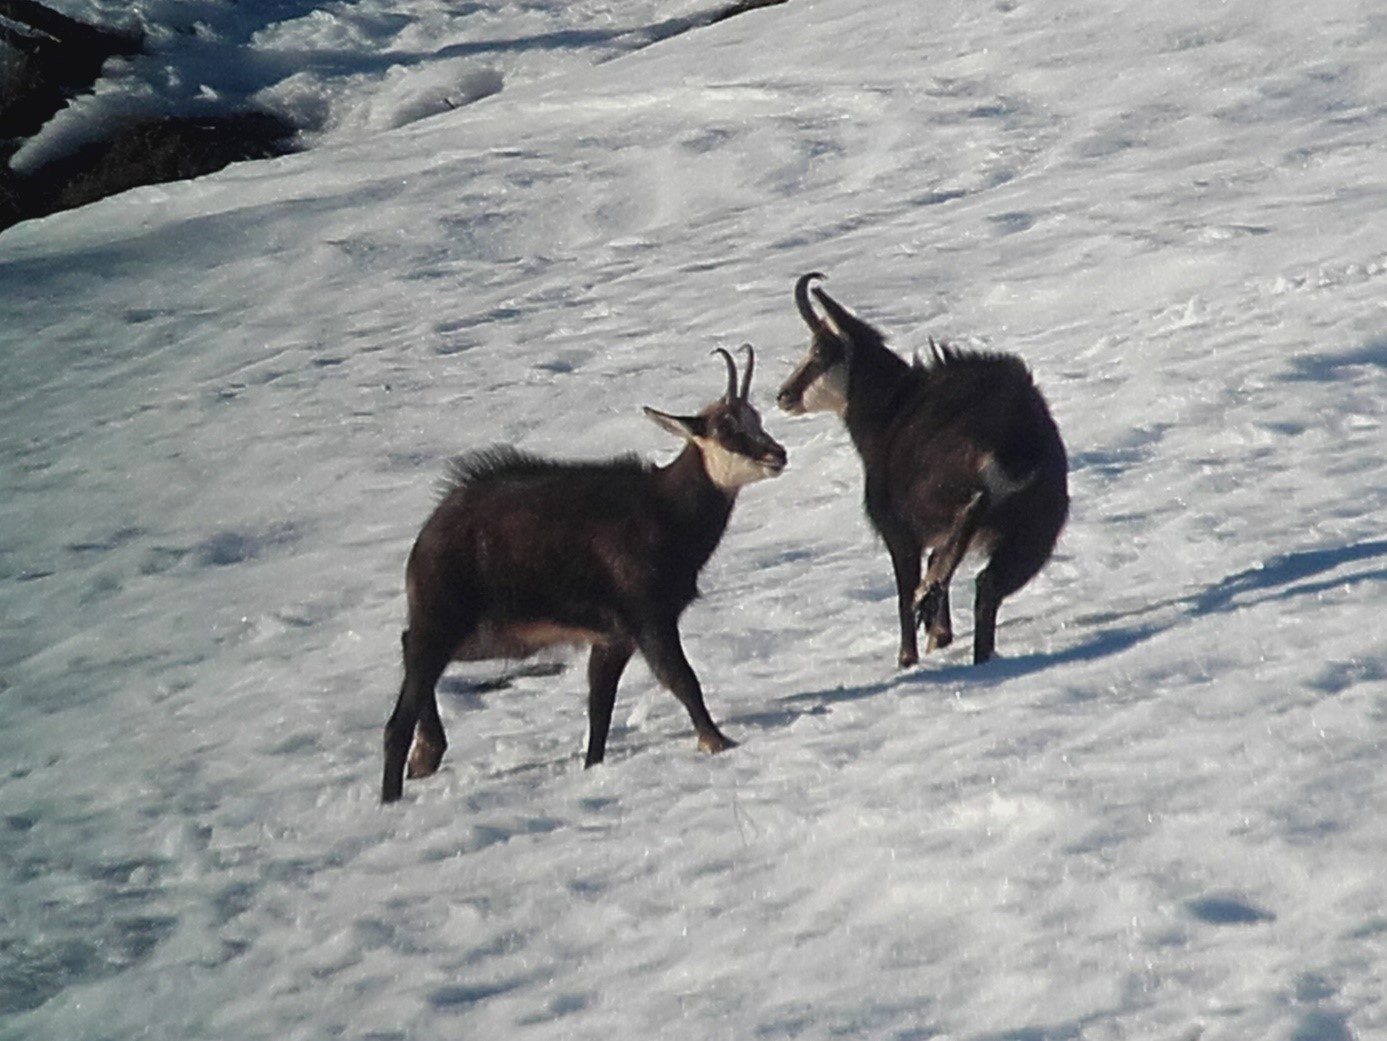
pixel 687 427
pixel 838 319
pixel 850 329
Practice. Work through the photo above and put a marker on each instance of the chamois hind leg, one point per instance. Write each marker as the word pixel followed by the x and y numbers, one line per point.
pixel 936 618
pixel 659 644
pixel 985 605
pixel 605 665
pixel 1014 562
pixel 417 705
pixel 429 740
pixel 932 598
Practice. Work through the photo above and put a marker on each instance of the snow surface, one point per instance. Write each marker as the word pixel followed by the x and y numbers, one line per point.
pixel 1158 816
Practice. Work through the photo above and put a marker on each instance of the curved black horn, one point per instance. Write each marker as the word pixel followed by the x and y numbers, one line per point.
pixel 746 373
pixel 731 394
pixel 806 310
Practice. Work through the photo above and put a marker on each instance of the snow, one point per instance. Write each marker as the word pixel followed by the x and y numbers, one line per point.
pixel 227 403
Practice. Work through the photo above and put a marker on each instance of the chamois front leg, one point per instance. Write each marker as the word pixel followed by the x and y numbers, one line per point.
pixel 905 561
pixel 605 665
pixel 660 645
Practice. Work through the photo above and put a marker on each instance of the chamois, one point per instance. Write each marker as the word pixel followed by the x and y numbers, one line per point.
pixel 960 453
pixel 524 553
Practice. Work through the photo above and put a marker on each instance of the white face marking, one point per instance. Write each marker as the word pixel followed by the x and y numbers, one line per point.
pixel 728 470
pixel 828 393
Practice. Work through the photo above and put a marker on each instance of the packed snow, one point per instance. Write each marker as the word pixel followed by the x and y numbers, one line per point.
pixel 1157 815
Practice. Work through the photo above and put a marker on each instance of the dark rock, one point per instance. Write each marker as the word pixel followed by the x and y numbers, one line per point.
pixel 45 59
pixel 152 151
pixel 11 204
pixel 739 7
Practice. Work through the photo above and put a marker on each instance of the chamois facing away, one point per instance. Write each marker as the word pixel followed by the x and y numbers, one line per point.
pixel 960 453
pixel 524 553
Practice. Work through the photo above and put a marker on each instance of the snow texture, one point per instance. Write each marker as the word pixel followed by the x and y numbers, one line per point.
pixel 1157 815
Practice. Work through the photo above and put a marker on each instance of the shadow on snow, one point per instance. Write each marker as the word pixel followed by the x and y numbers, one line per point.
pixel 1282 577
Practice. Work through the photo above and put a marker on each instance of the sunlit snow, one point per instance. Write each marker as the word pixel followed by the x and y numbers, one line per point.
pixel 1157 815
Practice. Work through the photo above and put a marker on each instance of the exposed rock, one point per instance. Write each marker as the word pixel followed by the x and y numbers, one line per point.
pixel 151 151
pixel 11 207
pixel 732 10
pixel 46 58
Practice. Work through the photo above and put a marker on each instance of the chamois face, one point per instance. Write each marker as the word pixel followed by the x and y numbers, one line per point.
pixel 736 449
pixel 820 381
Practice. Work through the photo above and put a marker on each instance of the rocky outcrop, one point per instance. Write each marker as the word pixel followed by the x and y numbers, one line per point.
pixel 48 59
pixel 150 151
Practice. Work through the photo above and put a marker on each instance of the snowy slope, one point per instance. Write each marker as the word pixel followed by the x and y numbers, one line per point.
pixel 338 69
pixel 1156 816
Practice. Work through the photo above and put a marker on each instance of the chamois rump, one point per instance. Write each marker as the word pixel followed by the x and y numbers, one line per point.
pixel 524 553
pixel 959 453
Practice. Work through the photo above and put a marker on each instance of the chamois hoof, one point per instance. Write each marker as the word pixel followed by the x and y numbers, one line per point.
pixel 939 640
pixel 908 659
pixel 715 743
pixel 424 758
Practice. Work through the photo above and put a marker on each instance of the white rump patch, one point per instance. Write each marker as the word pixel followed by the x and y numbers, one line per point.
pixel 999 484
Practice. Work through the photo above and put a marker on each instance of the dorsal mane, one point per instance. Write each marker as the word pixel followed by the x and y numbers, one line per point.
pixel 942 352
pixel 502 462
pixel 944 355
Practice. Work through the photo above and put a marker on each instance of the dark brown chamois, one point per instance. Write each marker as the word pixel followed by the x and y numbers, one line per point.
pixel 958 454
pixel 525 553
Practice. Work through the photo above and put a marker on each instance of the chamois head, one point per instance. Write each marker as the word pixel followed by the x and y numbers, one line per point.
pixel 820 381
pixel 728 433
